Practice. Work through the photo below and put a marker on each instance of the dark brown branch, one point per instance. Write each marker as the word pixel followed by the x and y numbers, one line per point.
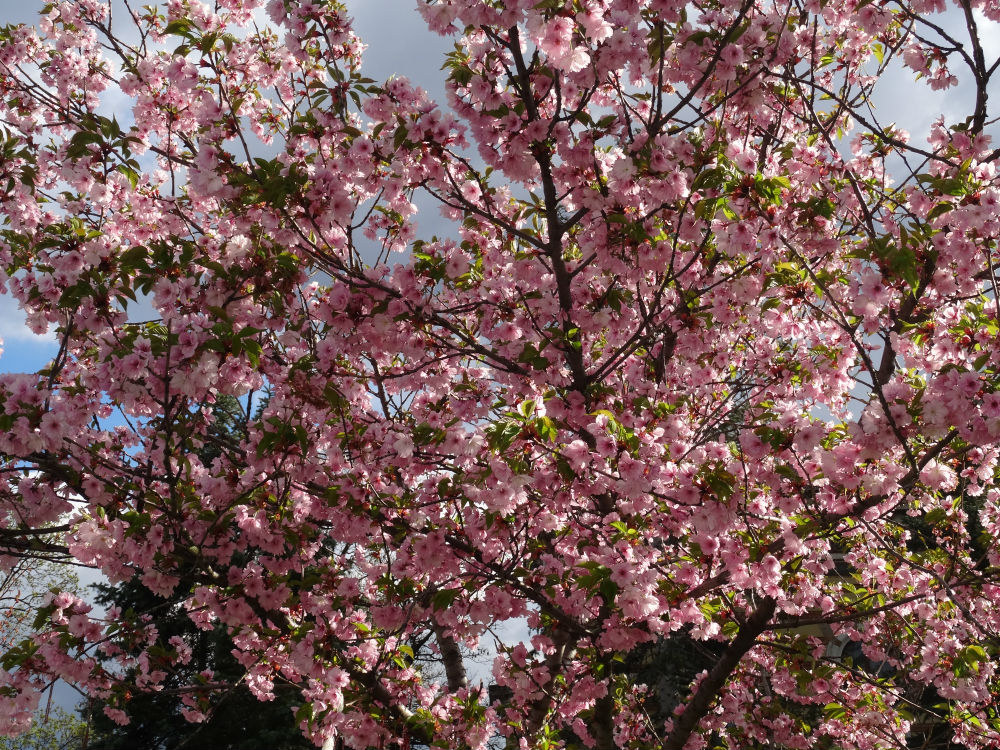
pixel 708 689
pixel 451 656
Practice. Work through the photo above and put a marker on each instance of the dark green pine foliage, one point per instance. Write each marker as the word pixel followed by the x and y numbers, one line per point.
pixel 239 721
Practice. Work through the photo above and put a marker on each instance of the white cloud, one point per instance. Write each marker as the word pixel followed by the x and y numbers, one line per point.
pixel 399 43
pixel 12 325
pixel 989 36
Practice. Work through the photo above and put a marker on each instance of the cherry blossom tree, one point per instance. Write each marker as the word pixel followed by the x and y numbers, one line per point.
pixel 702 353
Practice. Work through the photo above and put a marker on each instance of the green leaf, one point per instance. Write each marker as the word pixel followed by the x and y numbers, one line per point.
pixel 399 137
pixel 609 590
pixel 253 351
pixel 19 654
pixel 901 261
pixel 180 26
pixel 546 429
pixel 709 178
pixel 445 598
pixel 939 210
pixel 130 174
pixel 502 435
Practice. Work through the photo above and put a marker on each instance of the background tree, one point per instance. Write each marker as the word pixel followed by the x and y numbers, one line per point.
pixel 237 720
pixel 25 587
pixel 34 569
pixel 59 730
pixel 685 348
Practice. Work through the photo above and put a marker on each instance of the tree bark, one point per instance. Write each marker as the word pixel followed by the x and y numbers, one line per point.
pixel 451 656
pixel 708 689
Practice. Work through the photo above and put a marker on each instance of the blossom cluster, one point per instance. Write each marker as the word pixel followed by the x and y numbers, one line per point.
pixel 694 363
